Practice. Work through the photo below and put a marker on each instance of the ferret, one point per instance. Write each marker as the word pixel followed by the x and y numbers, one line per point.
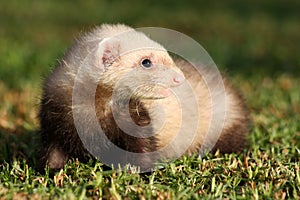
pixel 119 96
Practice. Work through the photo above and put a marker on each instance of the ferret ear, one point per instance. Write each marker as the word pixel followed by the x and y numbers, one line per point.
pixel 109 51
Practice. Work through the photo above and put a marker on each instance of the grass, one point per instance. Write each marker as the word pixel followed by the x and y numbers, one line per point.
pixel 258 47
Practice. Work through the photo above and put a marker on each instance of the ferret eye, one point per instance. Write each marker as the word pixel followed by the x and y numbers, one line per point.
pixel 146 63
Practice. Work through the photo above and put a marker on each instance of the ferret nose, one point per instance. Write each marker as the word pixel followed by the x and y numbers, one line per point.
pixel 178 79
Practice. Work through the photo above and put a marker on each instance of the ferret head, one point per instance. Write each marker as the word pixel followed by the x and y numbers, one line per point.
pixel 137 66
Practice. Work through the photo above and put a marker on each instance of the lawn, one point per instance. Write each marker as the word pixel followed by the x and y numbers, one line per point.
pixel 255 42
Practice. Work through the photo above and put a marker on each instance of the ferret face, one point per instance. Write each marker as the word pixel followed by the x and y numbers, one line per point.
pixel 146 73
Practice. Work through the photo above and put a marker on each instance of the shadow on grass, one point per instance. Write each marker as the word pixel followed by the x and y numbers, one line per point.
pixel 24 146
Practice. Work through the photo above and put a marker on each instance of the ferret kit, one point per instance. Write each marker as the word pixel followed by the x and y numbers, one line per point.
pixel 121 97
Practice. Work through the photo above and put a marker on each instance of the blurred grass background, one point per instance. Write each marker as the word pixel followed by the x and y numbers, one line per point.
pixel 247 37
pixel 255 42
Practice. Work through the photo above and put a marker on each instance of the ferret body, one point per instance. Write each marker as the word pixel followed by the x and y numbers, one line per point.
pixel 119 88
